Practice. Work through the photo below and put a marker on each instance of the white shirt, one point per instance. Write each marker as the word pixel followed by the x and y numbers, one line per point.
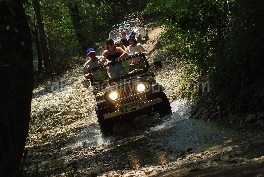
pixel 92 64
pixel 137 48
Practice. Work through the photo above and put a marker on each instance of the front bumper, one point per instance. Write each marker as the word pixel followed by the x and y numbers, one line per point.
pixel 144 106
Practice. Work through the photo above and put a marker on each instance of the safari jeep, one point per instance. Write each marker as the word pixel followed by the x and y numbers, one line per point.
pixel 141 33
pixel 129 96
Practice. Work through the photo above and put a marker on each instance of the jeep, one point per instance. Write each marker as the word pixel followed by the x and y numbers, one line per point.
pixel 129 96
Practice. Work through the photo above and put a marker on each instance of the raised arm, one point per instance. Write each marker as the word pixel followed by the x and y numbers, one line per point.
pixel 105 53
pixel 123 55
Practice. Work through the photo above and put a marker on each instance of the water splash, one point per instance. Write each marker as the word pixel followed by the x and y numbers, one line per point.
pixel 180 111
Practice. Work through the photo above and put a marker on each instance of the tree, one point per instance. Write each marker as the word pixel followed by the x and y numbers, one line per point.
pixel 42 36
pixel 38 48
pixel 218 41
pixel 76 20
pixel 16 84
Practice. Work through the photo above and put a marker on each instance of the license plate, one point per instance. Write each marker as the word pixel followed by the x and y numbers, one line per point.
pixel 132 107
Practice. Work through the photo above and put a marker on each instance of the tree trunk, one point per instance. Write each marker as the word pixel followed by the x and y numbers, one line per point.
pixel 16 85
pixel 76 20
pixel 38 48
pixel 52 51
pixel 42 36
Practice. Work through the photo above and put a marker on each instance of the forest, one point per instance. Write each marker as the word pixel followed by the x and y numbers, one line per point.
pixel 220 42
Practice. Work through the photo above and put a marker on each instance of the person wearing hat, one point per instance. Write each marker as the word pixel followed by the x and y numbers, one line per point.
pixel 92 62
pixel 113 54
pixel 134 47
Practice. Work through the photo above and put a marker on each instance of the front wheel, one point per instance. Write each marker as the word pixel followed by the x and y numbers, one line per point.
pixel 164 107
pixel 106 126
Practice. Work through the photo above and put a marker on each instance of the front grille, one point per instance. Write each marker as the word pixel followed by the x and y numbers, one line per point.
pixel 128 94
pixel 126 90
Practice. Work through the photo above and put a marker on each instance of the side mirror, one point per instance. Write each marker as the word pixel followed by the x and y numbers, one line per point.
pixel 158 64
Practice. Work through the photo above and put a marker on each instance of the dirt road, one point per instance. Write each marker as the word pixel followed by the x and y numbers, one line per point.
pixel 65 139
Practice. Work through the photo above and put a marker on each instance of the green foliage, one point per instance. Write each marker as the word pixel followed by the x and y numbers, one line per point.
pixel 194 33
pixel 97 18
pixel 220 41
pixel 58 26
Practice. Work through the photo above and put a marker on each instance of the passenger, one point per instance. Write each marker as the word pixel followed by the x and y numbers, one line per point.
pixel 120 44
pixel 141 19
pixel 92 62
pixel 134 47
pixel 126 62
pixel 124 39
pixel 111 35
pixel 113 54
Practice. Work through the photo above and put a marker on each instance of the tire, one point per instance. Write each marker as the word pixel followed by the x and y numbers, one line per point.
pixel 106 126
pixel 129 120
pixel 164 107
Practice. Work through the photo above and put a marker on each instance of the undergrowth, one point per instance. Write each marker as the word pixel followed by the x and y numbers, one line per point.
pixel 221 45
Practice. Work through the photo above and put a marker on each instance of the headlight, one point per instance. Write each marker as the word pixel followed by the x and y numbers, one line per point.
pixel 113 95
pixel 141 87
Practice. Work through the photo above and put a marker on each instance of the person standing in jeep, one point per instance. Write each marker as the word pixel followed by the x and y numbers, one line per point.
pixel 113 54
pixel 92 62
pixel 124 40
pixel 134 47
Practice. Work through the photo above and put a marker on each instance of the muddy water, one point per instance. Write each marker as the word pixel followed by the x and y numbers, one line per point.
pixel 91 136
pixel 152 141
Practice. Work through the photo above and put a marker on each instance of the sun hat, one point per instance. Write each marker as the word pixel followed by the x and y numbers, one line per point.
pixel 90 50
pixel 131 37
